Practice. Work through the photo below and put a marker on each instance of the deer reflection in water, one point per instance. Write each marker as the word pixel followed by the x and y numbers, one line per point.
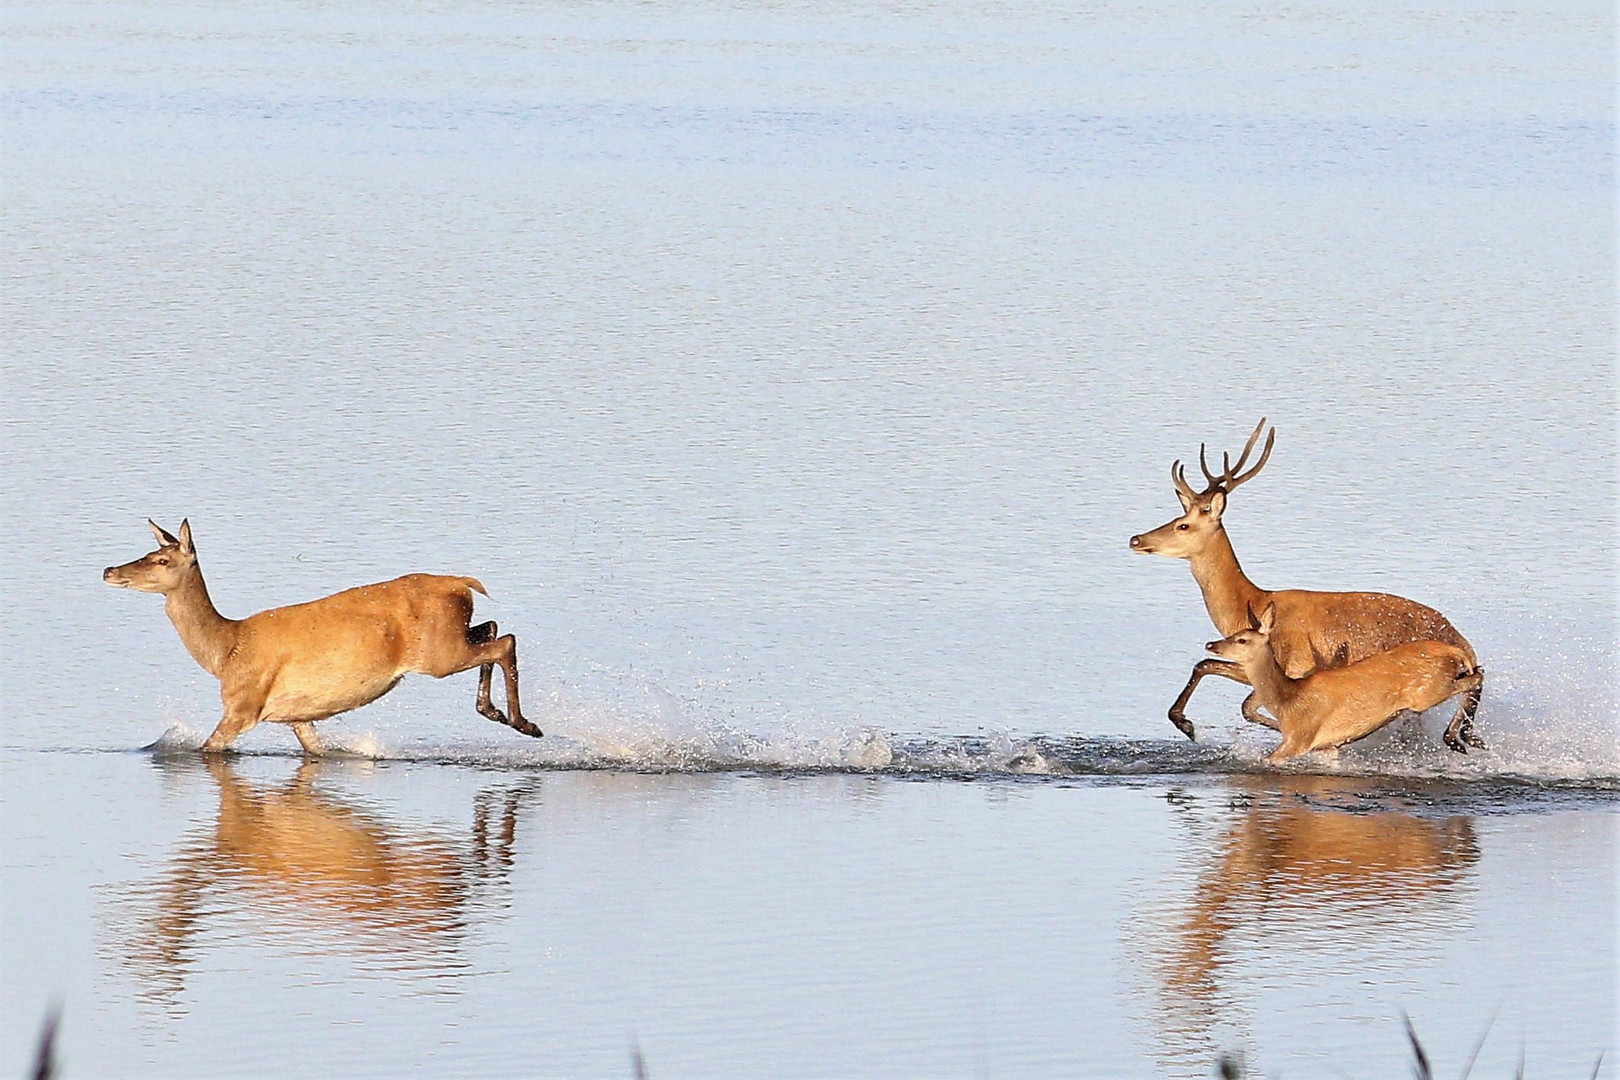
pixel 300 868
pixel 1306 860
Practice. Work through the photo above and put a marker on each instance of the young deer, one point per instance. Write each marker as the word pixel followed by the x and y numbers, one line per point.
pixel 1314 629
pixel 1334 706
pixel 296 665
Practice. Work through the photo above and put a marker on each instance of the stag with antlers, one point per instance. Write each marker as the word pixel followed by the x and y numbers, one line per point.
pixel 1313 630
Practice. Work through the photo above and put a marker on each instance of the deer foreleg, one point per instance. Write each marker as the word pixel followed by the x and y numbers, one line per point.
pixel 1252 713
pixel 230 726
pixel 1224 668
pixel 1459 734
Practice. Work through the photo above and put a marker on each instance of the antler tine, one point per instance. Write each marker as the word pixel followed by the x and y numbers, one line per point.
pixel 1178 476
pixel 1248 447
pixel 1271 440
pixel 1202 464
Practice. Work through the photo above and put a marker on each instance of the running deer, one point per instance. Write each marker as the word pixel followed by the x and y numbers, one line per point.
pixel 1314 629
pixel 300 664
pixel 1334 706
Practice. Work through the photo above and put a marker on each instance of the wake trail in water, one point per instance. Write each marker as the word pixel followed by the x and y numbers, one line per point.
pixel 1539 734
pixel 1405 757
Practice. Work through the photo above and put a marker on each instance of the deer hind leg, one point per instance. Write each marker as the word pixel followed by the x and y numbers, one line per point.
pixel 488 651
pixel 1224 668
pixel 484 634
pixel 311 742
pixel 1459 734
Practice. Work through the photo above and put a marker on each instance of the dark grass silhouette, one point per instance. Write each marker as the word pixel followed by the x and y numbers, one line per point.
pixel 1232 1066
pixel 45 1052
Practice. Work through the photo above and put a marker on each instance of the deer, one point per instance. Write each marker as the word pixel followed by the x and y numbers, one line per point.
pixel 1313 629
pixel 304 663
pixel 1334 706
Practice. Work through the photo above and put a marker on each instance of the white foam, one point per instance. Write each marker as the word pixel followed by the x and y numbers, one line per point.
pixel 177 738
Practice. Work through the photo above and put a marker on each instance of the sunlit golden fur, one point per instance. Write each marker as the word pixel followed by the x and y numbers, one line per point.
pixel 301 664
pixel 1334 706
pixel 1315 630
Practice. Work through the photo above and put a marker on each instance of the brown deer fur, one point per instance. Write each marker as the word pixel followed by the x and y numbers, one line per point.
pixel 1315 630
pixel 1334 706
pixel 301 664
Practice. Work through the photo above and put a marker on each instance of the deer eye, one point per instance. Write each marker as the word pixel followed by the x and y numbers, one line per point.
pixel 162 560
pixel 1182 527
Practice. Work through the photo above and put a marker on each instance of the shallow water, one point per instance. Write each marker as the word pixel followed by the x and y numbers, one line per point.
pixel 793 377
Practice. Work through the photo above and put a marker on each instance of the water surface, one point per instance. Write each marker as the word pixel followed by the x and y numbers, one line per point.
pixel 793 376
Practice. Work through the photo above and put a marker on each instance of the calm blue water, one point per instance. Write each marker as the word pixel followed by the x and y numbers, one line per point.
pixel 793 376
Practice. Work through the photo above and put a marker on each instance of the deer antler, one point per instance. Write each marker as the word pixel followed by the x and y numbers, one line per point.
pixel 1231 475
pixel 1271 440
pixel 1178 476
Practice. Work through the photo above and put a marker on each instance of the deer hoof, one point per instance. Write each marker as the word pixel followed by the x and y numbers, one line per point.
pixel 1184 726
pixel 1473 740
pixel 1454 743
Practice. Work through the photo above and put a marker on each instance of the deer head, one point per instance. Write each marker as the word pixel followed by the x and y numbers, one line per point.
pixel 1249 644
pixel 1187 535
pixel 162 571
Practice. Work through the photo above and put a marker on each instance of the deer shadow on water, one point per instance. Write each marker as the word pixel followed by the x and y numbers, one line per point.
pixel 303 871
pixel 1302 863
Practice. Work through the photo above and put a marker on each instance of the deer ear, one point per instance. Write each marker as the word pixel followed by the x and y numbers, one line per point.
pixel 163 537
pixel 1268 619
pixel 185 537
pixel 1186 503
pixel 1217 504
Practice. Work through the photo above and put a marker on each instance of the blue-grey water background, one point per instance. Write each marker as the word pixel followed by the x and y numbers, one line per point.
pixel 793 375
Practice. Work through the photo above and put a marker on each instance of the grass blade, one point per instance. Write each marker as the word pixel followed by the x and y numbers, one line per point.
pixel 1422 1070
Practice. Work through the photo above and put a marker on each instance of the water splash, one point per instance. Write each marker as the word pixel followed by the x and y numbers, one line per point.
pixel 1538 732
pixel 176 739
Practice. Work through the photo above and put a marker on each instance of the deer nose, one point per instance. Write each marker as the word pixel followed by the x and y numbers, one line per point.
pixel 1136 541
pixel 1210 646
pixel 106 575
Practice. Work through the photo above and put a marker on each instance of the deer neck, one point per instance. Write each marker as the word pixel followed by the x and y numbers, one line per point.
pixel 207 635
pixel 1232 599
pixel 1273 689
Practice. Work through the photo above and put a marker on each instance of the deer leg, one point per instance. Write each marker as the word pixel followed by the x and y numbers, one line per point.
pixel 485 706
pixel 230 726
pixel 1459 734
pixel 1252 713
pixel 1224 668
pixel 501 652
pixel 311 742
pixel 484 634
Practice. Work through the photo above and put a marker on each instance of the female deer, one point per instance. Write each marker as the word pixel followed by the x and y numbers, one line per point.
pixel 300 664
